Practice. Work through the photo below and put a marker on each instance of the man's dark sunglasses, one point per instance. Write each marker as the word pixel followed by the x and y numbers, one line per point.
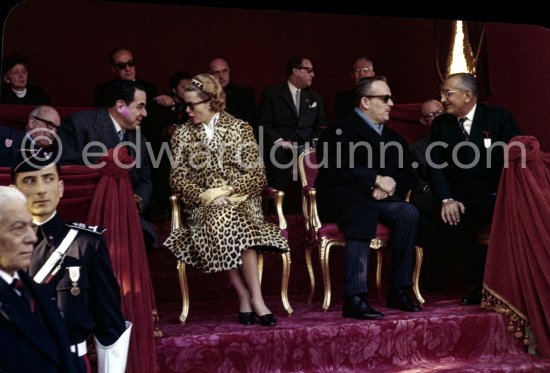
pixel 384 98
pixel 122 65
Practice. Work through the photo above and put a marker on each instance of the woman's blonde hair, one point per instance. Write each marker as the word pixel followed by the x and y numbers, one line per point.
pixel 208 87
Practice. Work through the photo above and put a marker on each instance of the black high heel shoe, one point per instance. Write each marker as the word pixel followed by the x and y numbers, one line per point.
pixel 247 318
pixel 267 320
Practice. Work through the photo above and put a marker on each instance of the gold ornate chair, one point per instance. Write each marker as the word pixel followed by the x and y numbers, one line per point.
pixel 268 193
pixel 326 235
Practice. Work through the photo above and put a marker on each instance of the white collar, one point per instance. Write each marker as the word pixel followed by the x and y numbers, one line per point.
pixel 292 88
pixel 115 123
pixel 210 127
pixel 7 277
pixel 20 94
pixel 470 115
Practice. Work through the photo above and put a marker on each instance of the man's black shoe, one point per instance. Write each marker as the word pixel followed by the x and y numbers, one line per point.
pixel 357 308
pixel 473 297
pixel 398 298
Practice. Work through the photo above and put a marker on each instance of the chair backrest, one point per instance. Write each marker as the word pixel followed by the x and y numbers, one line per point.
pixel 307 164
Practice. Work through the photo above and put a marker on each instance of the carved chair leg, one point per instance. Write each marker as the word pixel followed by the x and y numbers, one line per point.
pixel 184 291
pixel 311 276
pixel 379 259
pixel 284 283
pixel 325 270
pixel 416 273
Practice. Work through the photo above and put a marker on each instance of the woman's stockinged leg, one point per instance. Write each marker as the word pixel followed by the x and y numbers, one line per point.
pixel 250 273
pixel 236 279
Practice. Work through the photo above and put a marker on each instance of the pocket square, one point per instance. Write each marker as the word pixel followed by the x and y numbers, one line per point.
pixel 313 105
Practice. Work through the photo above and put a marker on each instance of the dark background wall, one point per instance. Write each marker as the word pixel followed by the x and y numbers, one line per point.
pixel 68 41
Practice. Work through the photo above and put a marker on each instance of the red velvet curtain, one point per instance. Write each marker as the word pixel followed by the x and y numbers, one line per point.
pixel 517 280
pixel 104 197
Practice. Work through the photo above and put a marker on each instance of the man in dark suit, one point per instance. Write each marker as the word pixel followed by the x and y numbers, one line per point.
pixel 80 275
pixel 364 176
pixel 467 185
pixel 105 128
pixel 239 101
pixel 290 115
pixel 41 130
pixel 33 337
pixel 123 65
pixel 344 102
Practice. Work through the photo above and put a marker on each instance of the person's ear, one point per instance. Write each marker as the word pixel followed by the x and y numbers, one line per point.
pixel 61 188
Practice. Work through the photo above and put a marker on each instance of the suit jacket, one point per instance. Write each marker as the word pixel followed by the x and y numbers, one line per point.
pixel 344 103
pixel 240 102
pixel 278 116
pixel 10 143
pixel 350 155
pixel 482 179
pixel 421 197
pixel 81 128
pixel 96 310
pixel 27 343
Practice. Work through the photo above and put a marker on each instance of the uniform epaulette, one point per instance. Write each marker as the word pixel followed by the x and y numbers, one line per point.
pixel 89 228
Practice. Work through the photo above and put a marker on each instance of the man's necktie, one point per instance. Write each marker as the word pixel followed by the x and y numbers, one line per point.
pixel 121 135
pixel 462 129
pixel 18 285
pixel 297 102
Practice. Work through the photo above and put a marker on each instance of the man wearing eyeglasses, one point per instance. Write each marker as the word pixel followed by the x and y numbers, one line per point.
pixel 290 115
pixel 40 132
pixel 344 102
pixel 466 187
pixel 358 185
pixel 123 65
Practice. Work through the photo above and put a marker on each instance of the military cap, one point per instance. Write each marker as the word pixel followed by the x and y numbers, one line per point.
pixel 28 160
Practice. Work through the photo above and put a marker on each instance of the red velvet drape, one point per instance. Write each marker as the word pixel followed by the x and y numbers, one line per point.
pixel 104 197
pixel 517 274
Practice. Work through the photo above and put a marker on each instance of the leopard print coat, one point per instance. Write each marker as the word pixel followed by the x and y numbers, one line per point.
pixel 215 236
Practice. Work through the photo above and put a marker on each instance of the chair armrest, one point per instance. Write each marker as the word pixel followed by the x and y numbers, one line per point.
pixel 306 189
pixel 176 212
pixel 270 193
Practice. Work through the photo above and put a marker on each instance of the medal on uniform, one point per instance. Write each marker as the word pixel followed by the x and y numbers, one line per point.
pixel 74 275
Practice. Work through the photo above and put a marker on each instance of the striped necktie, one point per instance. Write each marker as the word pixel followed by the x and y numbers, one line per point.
pixel 462 129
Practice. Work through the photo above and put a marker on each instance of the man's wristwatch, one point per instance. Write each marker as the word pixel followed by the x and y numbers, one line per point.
pixel 446 200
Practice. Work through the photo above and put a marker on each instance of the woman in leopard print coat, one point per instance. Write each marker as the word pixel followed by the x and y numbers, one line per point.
pixel 218 174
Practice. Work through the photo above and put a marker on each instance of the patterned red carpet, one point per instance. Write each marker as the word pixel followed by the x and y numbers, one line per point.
pixel 445 337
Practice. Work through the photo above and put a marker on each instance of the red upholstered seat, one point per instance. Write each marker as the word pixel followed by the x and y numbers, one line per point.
pixel 324 235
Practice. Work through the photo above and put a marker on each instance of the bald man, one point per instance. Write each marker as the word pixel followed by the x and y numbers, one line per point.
pixel 40 132
pixel 239 101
